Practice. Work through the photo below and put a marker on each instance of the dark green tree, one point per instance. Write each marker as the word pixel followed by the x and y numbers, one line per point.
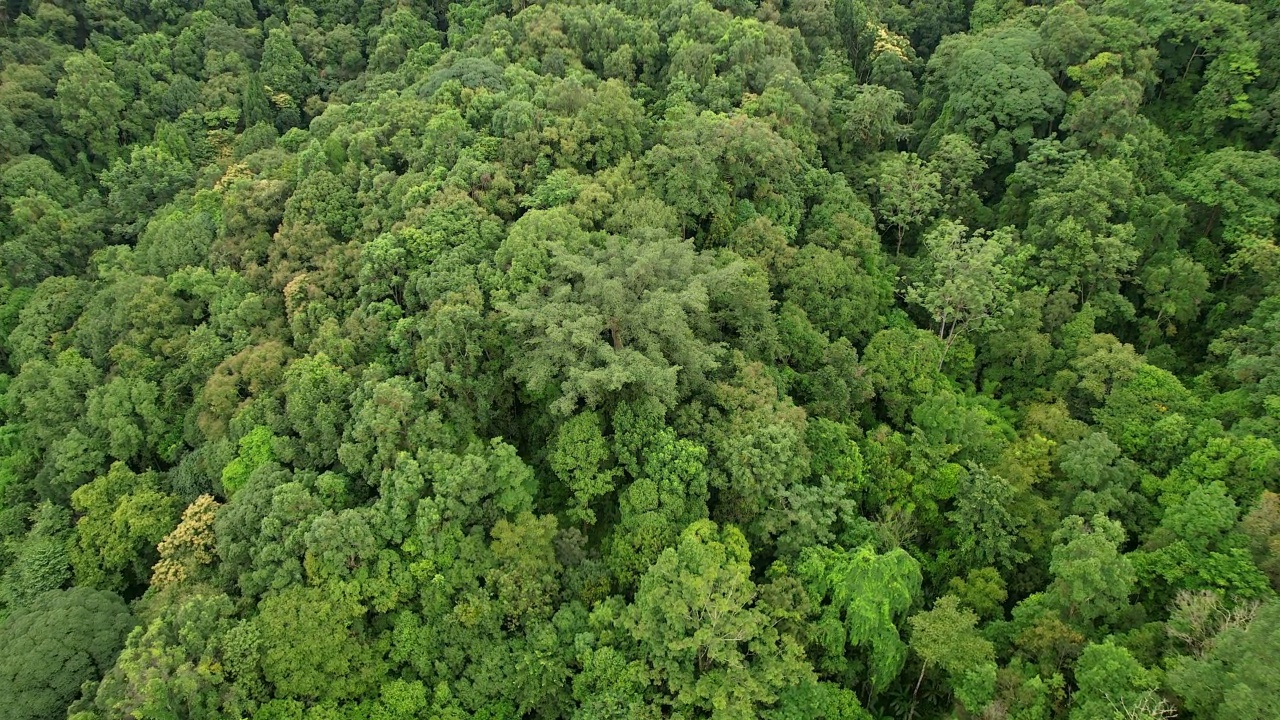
pixel 63 639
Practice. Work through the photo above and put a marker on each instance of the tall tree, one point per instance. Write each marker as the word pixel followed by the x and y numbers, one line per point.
pixel 947 637
pixel 64 639
pixel 864 597
pixel 705 632
pixel 89 104
pixel 968 279
pixel 909 194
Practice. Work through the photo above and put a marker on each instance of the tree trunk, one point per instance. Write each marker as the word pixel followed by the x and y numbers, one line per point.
pixel 911 713
pixel 615 333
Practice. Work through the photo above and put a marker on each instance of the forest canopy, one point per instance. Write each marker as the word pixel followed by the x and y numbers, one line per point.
pixel 645 360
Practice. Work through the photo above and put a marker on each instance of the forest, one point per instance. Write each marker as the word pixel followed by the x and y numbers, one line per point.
pixel 639 360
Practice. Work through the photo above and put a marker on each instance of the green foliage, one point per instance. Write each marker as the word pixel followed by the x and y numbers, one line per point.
pixel 255 451
pixel 580 360
pixel 1236 677
pixel 159 671
pixel 121 518
pixel 310 650
pixel 65 638
pixel 629 316
pixel 903 367
pixel 284 71
pixel 865 596
pixel 1092 580
pixel 669 490
pixel 698 621
pixel 818 700
pixel 40 561
pixel 982 590
pixel 908 194
pixel 1195 548
pixel 1112 682
pixel 578 455
pixel 986 531
pixel 995 92
pixel 89 104
pixel 1150 417
pixel 969 280
pixel 947 637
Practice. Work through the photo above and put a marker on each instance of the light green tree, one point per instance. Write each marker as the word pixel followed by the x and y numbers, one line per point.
pixel 864 597
pixel 89 104
pixel 1113 684
pixel 579 456
pixel 628 317
pixel 122 515
pixel 968 279
pixel 701 627
pixel 909 194
pixel 947 637
pixel 1092 579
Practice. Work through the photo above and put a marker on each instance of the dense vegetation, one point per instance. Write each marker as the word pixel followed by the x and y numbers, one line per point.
pixel 810 359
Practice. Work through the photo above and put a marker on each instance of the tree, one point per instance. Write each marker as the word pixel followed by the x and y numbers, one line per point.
pixel 1098 478
pixel 1196 547
pixel 477 487
pixel 122 516
pixel 40 562
pixel 817 701
pixel 255 451
pixel 904 366
pixel 947 637
pixel 142 183
pixel 959 164
pixel 579 454
pixel 526 578
pixel 1104 115
pixel 285 73
pixel 838 293
pixel 864 596
pixel 985 529
pixel 310 648
pixel 995 92
pixel 760 465
pixel 324 201
pixel 1150 417
pixel 968 279
pixel 1245 465
pixel 702 629
pixel 317 407
pixel 982 590
pixel 669 490
pixel 1262 527
pixel 47 238
pixel 1236 195
pixel 189 547
pixel 1092 580
pixel 126 413
pixel 388 416
pixel 1237 679
pixel 1113 684
pixel 89 104
pixel 629 316
pixel 64 639
pixel 1174 287
pixel 339 546
pixel 909 194
pixel 1079 228
pixel 162 670
pixel 866 116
